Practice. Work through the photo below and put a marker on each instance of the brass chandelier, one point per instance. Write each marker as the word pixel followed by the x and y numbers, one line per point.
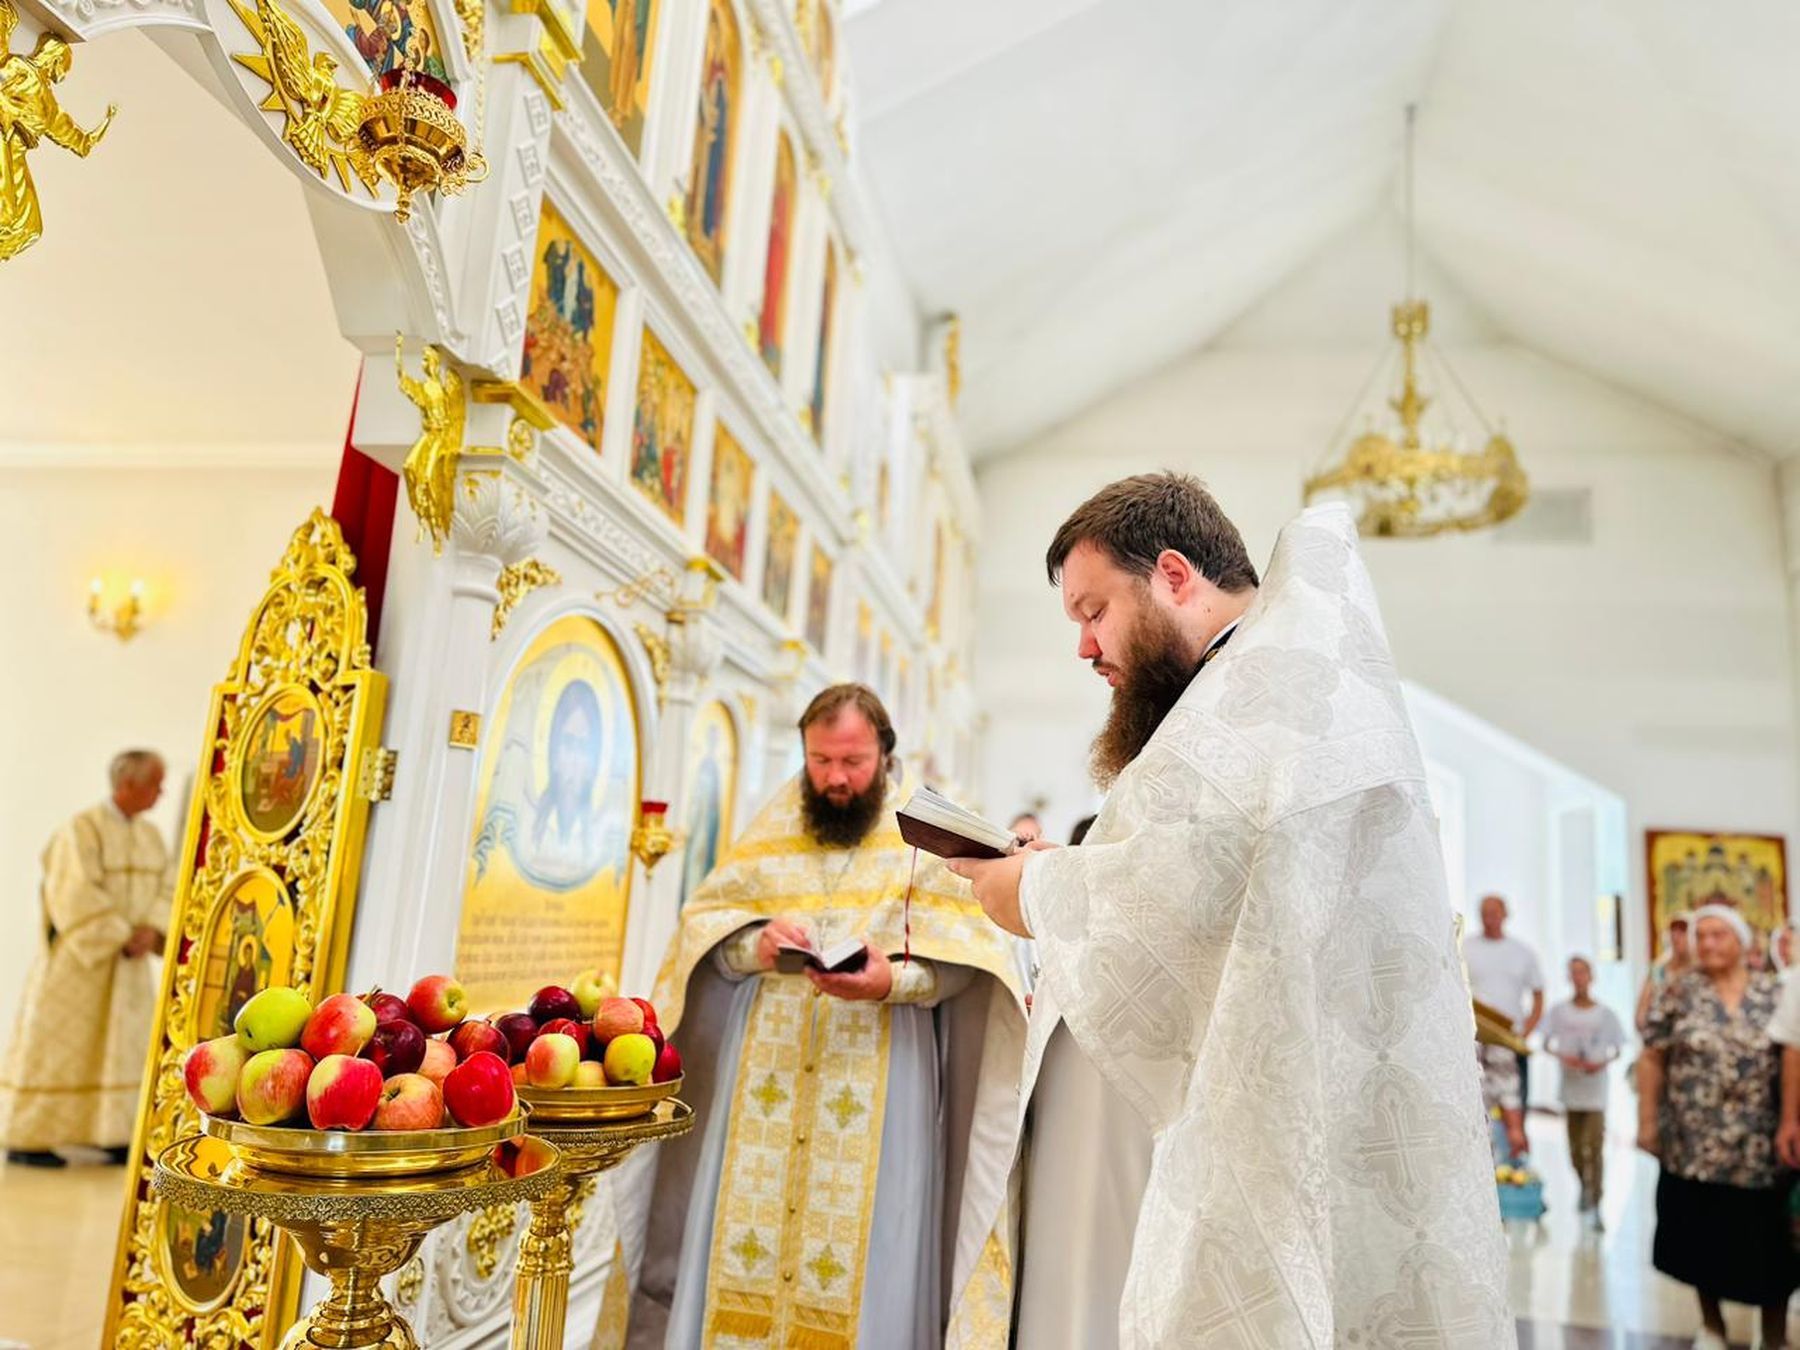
pixel 1412 479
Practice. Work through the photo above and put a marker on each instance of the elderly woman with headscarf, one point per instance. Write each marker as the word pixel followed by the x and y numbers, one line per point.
pixel 1708 1108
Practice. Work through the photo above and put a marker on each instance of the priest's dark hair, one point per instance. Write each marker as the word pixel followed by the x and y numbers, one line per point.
pixel 1133 520
pixel 831 701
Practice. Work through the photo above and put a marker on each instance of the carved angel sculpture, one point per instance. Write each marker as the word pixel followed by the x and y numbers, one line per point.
pixel 318 110
pixel 430 468
pixel 30 114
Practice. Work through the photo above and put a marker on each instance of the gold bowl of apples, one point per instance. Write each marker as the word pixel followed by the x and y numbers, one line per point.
pixel 583 1055
pixel 356 1088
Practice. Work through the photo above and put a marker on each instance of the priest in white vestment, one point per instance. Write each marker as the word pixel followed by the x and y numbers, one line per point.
pixel 1250 1003
pixel 72 1070
pixel 848 1187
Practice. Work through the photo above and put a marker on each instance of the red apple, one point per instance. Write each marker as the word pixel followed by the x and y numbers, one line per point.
pixel 520 1030
pixel 589 1075
pixel 409 1101
pixel 630 1059
pixel 342 1091
pixel 552 1002
pixel 562 1026
pixel 388 1007
pixel 617 1017
pixel 272 1087
pixel 437 1003
pixel 211 1072
pixel 341 1025
pixel 472 1036
pixel 551 1061
pixel 668 1065
pixel 479 1091
pixel 396 1047
pixel 439 1060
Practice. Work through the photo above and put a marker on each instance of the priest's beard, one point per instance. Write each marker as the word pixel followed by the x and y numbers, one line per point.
pixel 843 826
pixel 1153 676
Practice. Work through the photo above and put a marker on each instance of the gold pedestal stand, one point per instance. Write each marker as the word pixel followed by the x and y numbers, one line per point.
pixel 541 1295
pixel 353 1232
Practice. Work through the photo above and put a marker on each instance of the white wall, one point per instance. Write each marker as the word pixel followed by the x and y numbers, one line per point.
pixel 204 539
pixel 1654 661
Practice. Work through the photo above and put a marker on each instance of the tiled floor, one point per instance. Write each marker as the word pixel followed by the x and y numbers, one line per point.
pixel 1571 1291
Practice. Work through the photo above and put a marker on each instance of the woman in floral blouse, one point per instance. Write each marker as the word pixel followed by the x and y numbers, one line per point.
pixel 1709 1097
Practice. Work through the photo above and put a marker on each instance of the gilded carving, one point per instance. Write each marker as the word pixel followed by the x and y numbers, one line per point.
pixel 308 633
pixel 430 467
pixel 30 115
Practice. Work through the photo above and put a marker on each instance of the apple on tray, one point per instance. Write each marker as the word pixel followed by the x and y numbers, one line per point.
pixel 396 1047
pixel 479 1091
pixel 341 1025
pixel 211 1071
pixel 272 1087
pixel 409 1101
pixel 437 1003
pixel 342 1092
pixel 552 1060
pixel 272 1019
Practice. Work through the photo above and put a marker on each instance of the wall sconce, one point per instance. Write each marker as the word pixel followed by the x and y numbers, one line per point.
pixel 652 839
pixel 124 618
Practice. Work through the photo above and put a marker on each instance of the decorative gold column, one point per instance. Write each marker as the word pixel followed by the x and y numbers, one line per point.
pixel 541 1296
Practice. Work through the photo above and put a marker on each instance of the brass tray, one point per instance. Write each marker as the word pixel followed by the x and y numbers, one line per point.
pixel 575 1104
pixel 351 1154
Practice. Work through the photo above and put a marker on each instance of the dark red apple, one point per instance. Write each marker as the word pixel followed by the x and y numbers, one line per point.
pixel 388 1007
pixel 396 1047
pixel 552 1002
pixel 578 1030
pixel 668 1065
pixel 520 1030
pixel 472 1036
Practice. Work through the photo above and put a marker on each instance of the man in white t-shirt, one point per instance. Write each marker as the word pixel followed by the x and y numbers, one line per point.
pixel 1504 974
pixel 1585 1036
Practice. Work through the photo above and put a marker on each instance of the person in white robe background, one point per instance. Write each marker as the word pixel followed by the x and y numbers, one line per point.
pixel 1250 1008
pixel 72 1071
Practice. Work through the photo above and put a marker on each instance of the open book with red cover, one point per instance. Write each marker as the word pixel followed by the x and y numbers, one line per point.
pixel 931 821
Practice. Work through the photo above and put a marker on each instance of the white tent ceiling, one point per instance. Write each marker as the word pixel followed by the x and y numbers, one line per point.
pixel 1099 186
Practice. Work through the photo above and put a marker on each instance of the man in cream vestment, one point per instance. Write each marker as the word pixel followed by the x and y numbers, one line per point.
pixel 848 1187
pixel 1253 951
pixel 72 1070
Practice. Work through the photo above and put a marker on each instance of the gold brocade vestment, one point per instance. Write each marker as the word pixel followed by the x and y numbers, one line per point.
pixel 72 1070
pixel 790 1236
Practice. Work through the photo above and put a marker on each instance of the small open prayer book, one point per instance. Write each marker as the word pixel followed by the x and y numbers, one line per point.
pixel 938 825
pixel 840 958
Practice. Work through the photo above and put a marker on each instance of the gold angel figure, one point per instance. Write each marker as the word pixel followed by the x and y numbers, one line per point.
pixel 29 114
pixel 430 468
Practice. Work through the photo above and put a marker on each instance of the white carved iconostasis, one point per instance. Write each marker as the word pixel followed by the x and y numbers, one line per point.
pixel 690 468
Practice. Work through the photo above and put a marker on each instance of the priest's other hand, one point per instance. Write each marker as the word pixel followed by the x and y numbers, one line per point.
pixel 871 984
pixel 777 932
pixel 996 884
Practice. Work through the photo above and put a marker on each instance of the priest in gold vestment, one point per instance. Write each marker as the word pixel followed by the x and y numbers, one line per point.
pixel 73 1067
pixel 848 1189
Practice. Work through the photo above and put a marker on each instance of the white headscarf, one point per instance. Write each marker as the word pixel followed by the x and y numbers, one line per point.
pixel 1726 915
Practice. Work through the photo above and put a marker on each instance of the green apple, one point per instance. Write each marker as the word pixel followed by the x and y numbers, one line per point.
pixel 274 1019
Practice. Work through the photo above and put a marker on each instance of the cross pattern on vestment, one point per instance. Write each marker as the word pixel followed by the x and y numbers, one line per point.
pixel 750 1250
pixel 769 1094
pixel 1237 1298
pixel 826 1268
pixel 845 1107
pixel 1401 1141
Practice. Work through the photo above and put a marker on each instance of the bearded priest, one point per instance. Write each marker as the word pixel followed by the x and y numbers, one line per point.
pixel 1248 983
pixel 849 1187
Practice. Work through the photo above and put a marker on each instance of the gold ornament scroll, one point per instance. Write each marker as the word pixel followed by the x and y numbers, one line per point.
pixel 270 857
